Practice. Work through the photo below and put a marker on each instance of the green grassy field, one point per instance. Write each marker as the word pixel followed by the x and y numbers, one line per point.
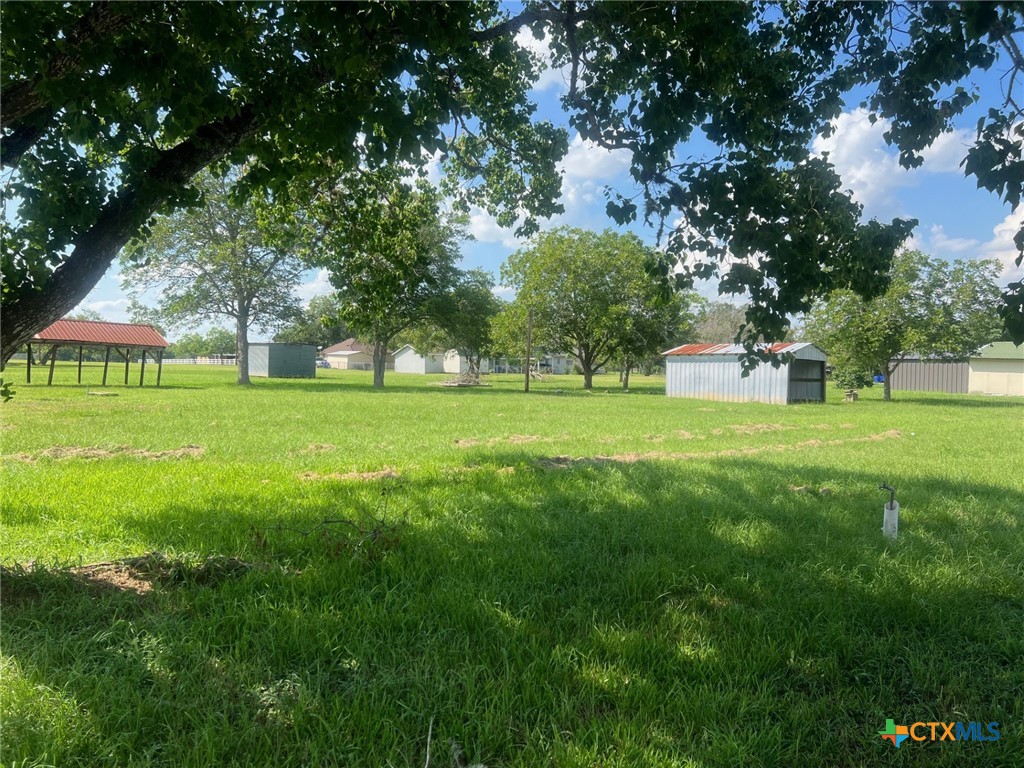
pixel 559 578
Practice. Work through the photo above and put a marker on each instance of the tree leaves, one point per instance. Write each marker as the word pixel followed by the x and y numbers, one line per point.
pixel 931 309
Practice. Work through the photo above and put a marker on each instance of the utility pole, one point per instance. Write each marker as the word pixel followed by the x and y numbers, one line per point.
pixel 529 348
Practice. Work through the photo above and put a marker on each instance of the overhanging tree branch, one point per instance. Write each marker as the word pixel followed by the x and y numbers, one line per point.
pixel 118 221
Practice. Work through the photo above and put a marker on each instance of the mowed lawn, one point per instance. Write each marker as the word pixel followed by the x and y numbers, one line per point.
pixel 553 579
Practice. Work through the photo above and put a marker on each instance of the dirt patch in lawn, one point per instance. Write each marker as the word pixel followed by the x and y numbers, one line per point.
pixel 469 442
pixel 756 429
pixel 515 439
pixel 63 452
pixel 565 462
pixel 319 448
pixel 134 575
pixel 114 577
pixel 380 474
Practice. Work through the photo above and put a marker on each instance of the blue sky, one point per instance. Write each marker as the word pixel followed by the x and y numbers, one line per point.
pixel 957 220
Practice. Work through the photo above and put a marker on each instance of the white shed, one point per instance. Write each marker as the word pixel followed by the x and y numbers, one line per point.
pixel 353 355
pixel 557 363
pixel 997 369
pixel 714 372
pixel 456 363
pixel 408 360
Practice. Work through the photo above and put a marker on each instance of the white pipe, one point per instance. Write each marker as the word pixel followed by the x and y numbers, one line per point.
pixel 891 520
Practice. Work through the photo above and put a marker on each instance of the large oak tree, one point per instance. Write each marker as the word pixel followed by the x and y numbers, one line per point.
pixel 110 109
pixel 220 260
pixel 590 296
pixel 390 249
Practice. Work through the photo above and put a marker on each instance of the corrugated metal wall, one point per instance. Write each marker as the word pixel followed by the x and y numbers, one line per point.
pixel 931 376
pixel 282 361
pixel 719 378
pixel 259 360
pixel 293 361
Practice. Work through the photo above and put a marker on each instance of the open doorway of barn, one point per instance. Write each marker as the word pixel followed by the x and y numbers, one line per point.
pixel 807 381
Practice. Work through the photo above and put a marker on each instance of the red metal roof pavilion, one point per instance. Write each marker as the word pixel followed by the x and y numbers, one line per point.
pixel 95 333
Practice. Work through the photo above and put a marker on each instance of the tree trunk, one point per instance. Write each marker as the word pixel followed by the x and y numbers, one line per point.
pixel 588 374
pixel 625 375
pixel 887 385
pixel 242 347
pixel 380 360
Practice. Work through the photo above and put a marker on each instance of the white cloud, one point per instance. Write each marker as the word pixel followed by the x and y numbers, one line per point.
pixel 859 153
pixel 111 310
pixel 506 292
pixel 1001 246
pixel 556 78
pixel 587 160
pixel 108 305
pixel 947 151
pixel 486 229
pixel 320 285
pixel 433 166
pixel 871 169
pixel 940 242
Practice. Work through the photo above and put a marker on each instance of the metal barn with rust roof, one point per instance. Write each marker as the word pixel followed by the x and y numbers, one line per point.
pixel 714 372
pixel 122 338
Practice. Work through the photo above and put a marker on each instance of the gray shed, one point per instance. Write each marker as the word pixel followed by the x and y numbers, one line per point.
pixel 282 361
pixel 914 374
pixel 714 372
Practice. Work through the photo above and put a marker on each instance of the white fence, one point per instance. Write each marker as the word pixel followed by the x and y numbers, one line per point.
pixel 199 361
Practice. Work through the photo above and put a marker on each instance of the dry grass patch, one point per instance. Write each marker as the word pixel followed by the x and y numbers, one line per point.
pixel 469 442
pixel 565 462
pixel 62 452
pixel 755 429
pixel 135 575
pixel 314 448
pixel 380 474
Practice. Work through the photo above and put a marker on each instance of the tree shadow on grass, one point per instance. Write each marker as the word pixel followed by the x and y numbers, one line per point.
pixel 960 401
pixel 552 388
pixel 118 386
pixel 653 613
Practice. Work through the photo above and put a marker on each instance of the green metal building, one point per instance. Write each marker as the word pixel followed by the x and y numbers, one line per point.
pixel 282 361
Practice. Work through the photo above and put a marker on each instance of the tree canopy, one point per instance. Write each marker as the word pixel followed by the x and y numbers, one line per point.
pixel 460 319
pixel 390 250
pixel 591 296
pixel 218 260
pixel 217 341
pixel 110 109
pixel 932 309
pixel 318 324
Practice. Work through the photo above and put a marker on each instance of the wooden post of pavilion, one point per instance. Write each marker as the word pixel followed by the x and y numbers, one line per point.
pixel 80 349
pixel 106 362
pixel 53 361
pixel 159 365
pixel 28 371
pixel 142 372
pixel 127 359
